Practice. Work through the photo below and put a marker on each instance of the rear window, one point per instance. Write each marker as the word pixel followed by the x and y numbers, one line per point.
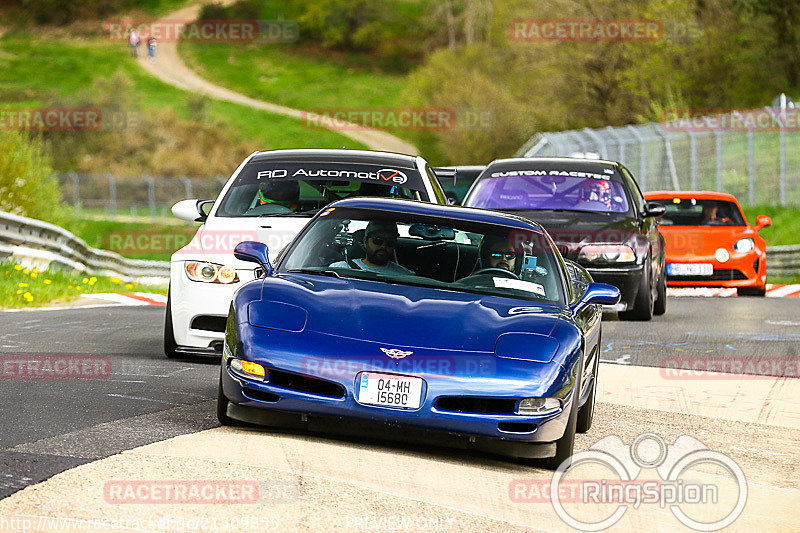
pixel 696 212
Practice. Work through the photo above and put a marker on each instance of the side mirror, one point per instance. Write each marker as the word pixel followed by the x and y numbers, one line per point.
pixel 597 293
pixel 254 252
pixel 654 209
pixel 452 199
pixel 762 221
pixel 192 210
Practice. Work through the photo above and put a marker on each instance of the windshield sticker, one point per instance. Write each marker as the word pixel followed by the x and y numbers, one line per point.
pixel 573 174
pixel 386 175
pixel 609 171
pixel 528 286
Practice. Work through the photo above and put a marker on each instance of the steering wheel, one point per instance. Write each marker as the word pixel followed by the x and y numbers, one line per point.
pixel 489 271
pixel 268 209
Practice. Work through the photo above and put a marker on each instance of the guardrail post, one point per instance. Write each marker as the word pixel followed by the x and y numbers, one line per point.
pixel 668 153
pixel 187 186
pixel 151 195
pixel 642 157
pixel 112 195
pixel 76 193
pixel 783 160
pixel 751 166
pixel 620 144
pixel 599 141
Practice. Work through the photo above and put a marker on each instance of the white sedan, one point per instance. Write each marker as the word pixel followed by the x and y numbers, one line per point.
pixel 269 198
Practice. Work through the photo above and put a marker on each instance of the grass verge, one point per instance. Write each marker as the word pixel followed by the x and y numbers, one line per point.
pixel 29 287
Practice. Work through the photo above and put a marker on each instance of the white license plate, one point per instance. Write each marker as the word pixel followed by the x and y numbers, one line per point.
pixel 389 390
pixel 690 269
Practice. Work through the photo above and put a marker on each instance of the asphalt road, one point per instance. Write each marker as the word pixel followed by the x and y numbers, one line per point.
pixel 50 425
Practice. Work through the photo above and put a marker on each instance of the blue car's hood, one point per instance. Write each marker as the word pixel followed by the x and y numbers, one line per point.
pixel 402 315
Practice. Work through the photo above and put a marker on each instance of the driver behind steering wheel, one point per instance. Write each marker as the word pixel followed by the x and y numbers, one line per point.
pixel 496 252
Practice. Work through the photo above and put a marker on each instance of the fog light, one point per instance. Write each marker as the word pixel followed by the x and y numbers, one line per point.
pixel 248 369
pixel 722 255
pixel 538 406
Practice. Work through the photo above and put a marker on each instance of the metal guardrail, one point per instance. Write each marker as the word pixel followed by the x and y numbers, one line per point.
pixel 42 244
pixel 783 260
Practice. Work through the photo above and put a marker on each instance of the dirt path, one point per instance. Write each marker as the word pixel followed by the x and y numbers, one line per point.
pixel 169 68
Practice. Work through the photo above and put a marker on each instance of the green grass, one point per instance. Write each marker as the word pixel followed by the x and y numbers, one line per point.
pixel 280 73
pixel 29 287
pixel 785 228
pixel 32 68
pixel 136 240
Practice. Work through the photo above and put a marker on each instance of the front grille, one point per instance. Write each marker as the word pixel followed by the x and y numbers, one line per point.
pixel 466 404
pixel 301 383
pixel 209 323
pixel 718 275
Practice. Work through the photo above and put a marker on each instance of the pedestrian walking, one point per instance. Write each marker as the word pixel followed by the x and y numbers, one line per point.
pixel 151 49
pixel 134 43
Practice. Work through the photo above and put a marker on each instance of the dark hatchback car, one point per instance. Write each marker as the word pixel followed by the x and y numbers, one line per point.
pixel 596 214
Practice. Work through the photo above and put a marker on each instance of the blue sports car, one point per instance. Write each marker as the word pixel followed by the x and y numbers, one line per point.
pixel 426 322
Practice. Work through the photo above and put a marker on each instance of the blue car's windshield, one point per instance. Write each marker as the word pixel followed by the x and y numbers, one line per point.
pixel 447 254
pixel 522 190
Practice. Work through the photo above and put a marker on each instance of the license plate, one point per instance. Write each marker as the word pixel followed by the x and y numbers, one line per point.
pixel 389 390
pixel 690 269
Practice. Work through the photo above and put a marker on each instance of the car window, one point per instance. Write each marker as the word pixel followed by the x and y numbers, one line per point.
pixel 635 193
pixel 420 250
pixel 441 197
pixel 697 212
pixel 276 188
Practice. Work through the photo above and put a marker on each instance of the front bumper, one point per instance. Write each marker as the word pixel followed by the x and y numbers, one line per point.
pixel 626 278
pixel 190 300
pixel 505 433
pixel 741 270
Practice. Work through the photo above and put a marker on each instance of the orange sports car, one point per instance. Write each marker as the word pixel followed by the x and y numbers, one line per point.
pixel 709 242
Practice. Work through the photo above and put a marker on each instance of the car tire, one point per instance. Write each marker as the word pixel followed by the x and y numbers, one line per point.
pixel 660 305
pixel 170 346
pixel 566 444
pixel 643 305
pixel 751 291
pixel 586 413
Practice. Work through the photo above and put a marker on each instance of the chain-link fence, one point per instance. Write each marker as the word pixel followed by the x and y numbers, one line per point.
pixel 134 196
pixel 753 154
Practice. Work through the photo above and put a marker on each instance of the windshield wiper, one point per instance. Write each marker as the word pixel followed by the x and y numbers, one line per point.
pixel 330 273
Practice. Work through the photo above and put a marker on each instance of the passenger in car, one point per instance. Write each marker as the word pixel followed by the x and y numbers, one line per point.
pixel 380 240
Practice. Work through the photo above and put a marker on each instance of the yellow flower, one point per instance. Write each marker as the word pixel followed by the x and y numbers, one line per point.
pixel 22 284
pixel 28 296
pixel 25 271
pixel 92 280
pixel 115 280
pixel 34 274
pixel 17 267
pixel 69 286
pixel 47 282
pixel 78 287
pixel 19 291
pixel 35 270
pixel 86 280
pixel 128 286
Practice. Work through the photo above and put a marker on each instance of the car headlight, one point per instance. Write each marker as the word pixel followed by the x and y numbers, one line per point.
pixel 607 253
pixel 538 406
pixel 211 272
pixel 744 245
pixel 248 369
